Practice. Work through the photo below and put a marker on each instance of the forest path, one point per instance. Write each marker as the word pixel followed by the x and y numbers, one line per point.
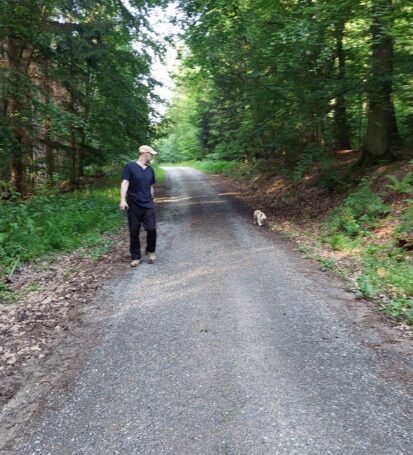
pixel 230 344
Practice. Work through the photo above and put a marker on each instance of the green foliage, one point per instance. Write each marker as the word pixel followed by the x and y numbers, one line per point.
pixel 7 191
pixel 287 79
pixel 401 307
pixel 230 168
pixel 182 139
pixel 341 242
pixel 405 185
pixel 326 263
pixel 406 224
pixel 388 269
pixel 46 224
pixel 360 211
pixel 75 87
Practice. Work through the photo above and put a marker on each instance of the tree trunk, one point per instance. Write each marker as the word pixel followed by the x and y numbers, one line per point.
pixel 74 162
pixel 340 115
pixel 381 135
pixel 50 162
pixel 15 113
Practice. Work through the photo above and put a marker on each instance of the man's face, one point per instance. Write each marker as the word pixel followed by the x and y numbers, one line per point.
pixel 147 157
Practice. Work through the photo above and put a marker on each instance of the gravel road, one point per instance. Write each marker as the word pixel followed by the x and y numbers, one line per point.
pixel 231 344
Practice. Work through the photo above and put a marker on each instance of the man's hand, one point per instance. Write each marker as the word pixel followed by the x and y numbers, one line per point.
pixel 123 192
pixel 123 205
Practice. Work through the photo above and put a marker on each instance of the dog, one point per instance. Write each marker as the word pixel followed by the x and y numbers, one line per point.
pixel 260 218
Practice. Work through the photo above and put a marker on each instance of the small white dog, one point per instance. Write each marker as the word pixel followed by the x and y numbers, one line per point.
pixel 260 218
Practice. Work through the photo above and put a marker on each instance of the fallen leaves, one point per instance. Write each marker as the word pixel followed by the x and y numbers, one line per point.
pixel 51 297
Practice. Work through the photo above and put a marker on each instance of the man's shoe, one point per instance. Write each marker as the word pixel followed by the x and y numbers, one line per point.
pixel 134 263
pixel 151 257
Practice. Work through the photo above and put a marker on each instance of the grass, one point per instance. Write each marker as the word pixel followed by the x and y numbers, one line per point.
pixel 230 168
pixel 55 223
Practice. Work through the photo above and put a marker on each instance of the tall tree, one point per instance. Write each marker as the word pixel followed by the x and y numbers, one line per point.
pixel 382 134
pixel 75 86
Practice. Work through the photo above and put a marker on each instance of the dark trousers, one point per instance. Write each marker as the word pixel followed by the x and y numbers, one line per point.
pixel 136 216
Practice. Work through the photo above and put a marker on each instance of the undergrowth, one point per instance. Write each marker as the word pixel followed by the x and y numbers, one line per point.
pixel 386 269
pixel 51 223
pixel 229 168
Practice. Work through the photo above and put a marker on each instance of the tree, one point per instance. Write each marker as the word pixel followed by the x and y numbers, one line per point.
pixel 75 90
pixel 292 79
pixel 382 134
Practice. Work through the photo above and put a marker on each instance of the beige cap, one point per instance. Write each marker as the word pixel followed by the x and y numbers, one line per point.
pixel 146 148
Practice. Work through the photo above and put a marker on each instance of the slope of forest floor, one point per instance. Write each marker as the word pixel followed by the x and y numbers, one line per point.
pixel 362 230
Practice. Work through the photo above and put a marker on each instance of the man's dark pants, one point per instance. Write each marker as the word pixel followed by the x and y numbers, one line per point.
pixel 136 216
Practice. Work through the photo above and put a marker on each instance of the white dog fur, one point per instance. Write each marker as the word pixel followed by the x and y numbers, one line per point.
pixel 260 218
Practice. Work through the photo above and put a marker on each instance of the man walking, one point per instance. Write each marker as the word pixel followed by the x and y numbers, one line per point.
pixel 136 196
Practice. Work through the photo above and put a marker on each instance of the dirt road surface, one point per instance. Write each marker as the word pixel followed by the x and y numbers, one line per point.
pixel 231 344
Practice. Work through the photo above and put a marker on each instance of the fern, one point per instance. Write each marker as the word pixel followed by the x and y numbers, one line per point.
pixel 405 185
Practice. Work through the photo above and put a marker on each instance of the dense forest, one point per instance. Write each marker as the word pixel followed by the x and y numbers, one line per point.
pixel 258 79
pixel 75 87
pixel 293 79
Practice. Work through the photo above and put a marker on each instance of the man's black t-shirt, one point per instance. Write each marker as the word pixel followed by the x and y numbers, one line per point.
pixel 140 182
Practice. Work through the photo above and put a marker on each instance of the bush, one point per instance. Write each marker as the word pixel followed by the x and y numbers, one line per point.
pixel 386 269
pixel 47 224
pixel 214 166
pixel 359 212
pixel 340 242
pixel 405 185
pixel 400 307
pixel 406 224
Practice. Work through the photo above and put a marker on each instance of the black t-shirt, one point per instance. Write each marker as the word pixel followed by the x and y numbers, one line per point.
pixel 140 182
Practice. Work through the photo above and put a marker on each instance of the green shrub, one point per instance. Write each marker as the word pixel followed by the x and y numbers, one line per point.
pixel 406 224
pixel 46 224
pixel 386 268
pixel 366 205
pixel 340 242
pixel 93 170
pixel 214 166
pixel 361 211
pixel 400 307
pixel 405 185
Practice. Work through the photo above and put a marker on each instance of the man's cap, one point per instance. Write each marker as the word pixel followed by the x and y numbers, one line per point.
pixel 146 148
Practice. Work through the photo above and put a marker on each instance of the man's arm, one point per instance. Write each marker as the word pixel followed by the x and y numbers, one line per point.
pixel 123 191
pixel 153 191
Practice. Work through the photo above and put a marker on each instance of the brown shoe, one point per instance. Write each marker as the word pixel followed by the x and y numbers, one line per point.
pixel 135 262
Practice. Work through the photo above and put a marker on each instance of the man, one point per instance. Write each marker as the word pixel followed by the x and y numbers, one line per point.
pixel 136 196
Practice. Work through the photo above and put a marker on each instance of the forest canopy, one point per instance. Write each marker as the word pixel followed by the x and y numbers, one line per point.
pixel 75 86
pixel 296 79
pixel 258 79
